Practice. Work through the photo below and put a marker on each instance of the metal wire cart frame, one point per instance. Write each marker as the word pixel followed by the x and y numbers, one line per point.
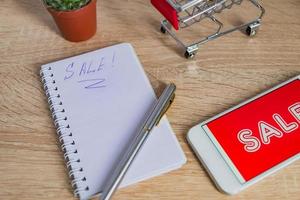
pixel 184 13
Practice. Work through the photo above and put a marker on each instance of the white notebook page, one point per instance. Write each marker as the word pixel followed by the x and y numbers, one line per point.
pixel 106 95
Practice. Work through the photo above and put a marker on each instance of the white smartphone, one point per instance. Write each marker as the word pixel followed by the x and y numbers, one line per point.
pixel 251 140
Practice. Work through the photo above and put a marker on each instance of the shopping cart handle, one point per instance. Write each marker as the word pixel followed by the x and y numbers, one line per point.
pixel 167 11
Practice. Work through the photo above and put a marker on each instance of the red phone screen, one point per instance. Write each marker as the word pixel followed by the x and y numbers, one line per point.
pixel 262 133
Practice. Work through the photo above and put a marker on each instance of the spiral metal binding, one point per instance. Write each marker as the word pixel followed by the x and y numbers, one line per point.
pixel 68 146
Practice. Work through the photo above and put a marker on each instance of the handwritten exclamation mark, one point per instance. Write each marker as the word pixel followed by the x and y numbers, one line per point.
pixel 113 60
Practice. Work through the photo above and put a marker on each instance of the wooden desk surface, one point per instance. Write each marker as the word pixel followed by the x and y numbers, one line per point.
pixel 224 72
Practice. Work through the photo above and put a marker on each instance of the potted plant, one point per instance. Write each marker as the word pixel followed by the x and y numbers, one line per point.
pixel 76 19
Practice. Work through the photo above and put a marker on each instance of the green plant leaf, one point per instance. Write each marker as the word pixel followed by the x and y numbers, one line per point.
pixel 65 5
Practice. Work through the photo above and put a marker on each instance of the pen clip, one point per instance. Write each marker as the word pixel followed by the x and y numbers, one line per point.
pixel 165 109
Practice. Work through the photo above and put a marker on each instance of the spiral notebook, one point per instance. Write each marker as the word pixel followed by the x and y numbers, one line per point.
pixel 98 101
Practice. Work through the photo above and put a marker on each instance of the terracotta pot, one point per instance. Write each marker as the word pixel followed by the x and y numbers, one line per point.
pixel 77 25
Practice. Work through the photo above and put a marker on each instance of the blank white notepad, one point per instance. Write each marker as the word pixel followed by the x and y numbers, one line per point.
pixel 98 102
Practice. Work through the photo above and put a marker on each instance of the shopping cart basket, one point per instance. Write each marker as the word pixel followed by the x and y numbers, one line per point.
pixel 181 14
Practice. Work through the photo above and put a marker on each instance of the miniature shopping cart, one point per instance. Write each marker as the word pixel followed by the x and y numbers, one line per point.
pixel 183 13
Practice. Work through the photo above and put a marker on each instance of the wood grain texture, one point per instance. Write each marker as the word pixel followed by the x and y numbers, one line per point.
pixel 224 72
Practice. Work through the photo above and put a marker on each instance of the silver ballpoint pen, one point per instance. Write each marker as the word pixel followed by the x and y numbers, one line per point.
pixel 152 120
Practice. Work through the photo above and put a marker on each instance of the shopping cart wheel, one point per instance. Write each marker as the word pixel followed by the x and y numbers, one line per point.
pixel 252 29
pixel 189 54
pixel 163 30
pixel 250 32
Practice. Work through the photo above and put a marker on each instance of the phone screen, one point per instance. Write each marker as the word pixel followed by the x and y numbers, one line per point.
pixel 261 134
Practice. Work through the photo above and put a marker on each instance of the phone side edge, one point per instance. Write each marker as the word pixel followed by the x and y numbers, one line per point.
pixel 212 161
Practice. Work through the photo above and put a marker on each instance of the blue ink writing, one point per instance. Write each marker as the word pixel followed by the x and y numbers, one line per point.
pixel 113 59
pixel 101 64
pixel 87 72
pixel 93 83
pixel 90 70
pixel 69 71
pixel 83 69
